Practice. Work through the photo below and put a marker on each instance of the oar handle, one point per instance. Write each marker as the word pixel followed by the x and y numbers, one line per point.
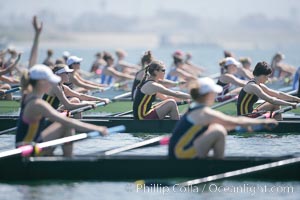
pixel 283 110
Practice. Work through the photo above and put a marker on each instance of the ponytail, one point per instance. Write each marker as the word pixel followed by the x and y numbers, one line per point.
pixel 147 58
pixel 145 77
pixel 26 82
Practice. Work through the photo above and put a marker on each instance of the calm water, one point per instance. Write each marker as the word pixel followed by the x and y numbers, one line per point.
pixel 237 146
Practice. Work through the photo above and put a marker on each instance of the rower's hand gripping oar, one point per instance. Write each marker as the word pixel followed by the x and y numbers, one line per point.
pixel 27 150
pixel 279 111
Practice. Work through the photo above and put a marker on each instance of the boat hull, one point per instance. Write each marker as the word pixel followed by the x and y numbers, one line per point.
pixel 155 126
pixel 135 167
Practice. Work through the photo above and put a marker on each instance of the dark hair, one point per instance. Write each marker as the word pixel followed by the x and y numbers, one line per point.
pixel 262 68
pixel 107 56
pixel 147 58
pixel 153 66
pixel 49 52
pixel 58 67
pixel 228 54
pixel 177 60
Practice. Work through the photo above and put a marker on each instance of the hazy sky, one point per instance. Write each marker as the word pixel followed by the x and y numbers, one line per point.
pixel 231 9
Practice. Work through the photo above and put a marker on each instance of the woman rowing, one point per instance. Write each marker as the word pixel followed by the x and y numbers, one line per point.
pixel 58 94
pixel 202 129
pixel 110 75
pixel 75 79
pixel 4 87
pixel 228 79
pixel 177 71
pixel 256 89
pixel 145 61
pixel 147 91
pixel 31 125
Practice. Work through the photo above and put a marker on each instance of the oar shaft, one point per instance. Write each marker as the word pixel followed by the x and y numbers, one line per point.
pixel 241 172
pixel 85 108
pixel 224 102
pixel 163 140
pixel 27 150
pixel 8 130
pixel 10 91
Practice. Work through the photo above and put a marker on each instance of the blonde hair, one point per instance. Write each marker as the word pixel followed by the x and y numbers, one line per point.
pixel 27 84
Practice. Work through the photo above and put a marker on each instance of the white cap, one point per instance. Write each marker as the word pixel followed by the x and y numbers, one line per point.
pixel 231 61
pixel 64 68
pixel 66 54
pixel 42 72
pixel 73 59
pixel 207 85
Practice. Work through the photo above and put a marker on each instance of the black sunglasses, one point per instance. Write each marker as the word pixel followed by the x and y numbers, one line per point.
pixel 162 70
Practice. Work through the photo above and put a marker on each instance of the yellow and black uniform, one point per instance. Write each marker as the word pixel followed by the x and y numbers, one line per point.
pixel 27 131
pixel 183 137
pixel 246 101
pixel 52 100
pixel 142 105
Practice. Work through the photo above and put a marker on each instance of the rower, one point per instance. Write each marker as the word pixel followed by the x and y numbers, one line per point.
pixel 149 89
pixel 31 125
pixel 146 59
pixel 256 89
pixel 76 79
pixel 202 128
pixel 58 95
pixel 110 75
pixel 177 71
pixel 228 78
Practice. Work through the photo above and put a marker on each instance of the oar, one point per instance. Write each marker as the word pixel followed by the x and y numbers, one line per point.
pixel 131 111
pixel 240 172
pixel 27 150
pixel 279 111
pixel 85 108
pixel 10 91
pixel 125 95
pixel 8 130
pixel 224 102
pixel 160 140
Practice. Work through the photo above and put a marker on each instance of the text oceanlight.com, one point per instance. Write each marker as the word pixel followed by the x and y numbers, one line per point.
pixel 213 188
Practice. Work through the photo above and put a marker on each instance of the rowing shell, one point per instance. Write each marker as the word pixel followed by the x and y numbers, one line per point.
pixel 156 126
pixel 135 167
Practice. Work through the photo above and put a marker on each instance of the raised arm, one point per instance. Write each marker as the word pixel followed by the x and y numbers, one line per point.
pixel 34 50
